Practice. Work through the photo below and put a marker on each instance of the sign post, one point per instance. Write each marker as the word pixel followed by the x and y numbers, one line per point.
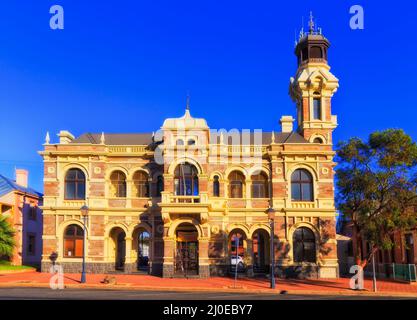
pixel 237 247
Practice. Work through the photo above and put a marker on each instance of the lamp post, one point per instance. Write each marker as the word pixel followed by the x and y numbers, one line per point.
pixel 84 212
pixel 271 218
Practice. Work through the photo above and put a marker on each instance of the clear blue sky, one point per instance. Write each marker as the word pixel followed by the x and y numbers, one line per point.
pixel 126 65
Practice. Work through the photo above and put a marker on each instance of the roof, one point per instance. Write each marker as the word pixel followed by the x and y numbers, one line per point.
pixel 146 138
pixel 8 185
pixel 185 122
pixel 266 138
pixel 116 138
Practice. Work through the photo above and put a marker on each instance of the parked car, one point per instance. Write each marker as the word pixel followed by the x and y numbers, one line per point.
pixel 237 260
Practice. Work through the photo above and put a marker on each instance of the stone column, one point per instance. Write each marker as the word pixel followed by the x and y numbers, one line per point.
pixel 203 260
pixel 129 263
pixel 249 256
pixel 129 193
pixel 248 193
pixel 168 259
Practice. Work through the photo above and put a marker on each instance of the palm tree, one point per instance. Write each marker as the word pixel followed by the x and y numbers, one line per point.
pixel 7 242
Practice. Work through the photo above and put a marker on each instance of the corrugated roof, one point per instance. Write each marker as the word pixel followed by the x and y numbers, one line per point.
pixel 8 185
pixel 146 138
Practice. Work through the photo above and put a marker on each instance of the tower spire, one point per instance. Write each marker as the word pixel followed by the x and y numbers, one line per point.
pixel 311 23
pixel 187 107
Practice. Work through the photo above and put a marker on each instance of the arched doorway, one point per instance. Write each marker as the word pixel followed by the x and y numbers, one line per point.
pixel 118 237
pixel 237 248
pixel 143 250
pixel 261 255
pixel 186 253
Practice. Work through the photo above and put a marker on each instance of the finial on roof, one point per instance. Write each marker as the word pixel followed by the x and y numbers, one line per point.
pixel 273 137
pixel 311 23
pixel 187 107
pixel 47 138
pixel 295 38
pixel 102 138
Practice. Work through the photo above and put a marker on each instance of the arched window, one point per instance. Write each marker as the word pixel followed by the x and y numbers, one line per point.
pixel 236 184
pixel 75 185
pixel 180 142
pixel 191 142
pixel 216 187
pixel 316 52
pixel 186 180
pixel 118 184
pixel 301 185
pixel 304 245
pixel 260 186
pixel 140 184
pixel 318 140
pixel 73 241
pixel 159 185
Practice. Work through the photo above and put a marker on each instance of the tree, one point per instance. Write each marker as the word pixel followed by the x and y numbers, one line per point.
pixel 7 242
pixel 377 188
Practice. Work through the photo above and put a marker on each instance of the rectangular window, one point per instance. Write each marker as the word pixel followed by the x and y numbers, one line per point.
pixel 32 213
pixel 316 109
pixel 31 244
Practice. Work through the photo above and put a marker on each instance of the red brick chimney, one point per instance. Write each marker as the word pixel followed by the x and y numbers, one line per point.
pixel 22 177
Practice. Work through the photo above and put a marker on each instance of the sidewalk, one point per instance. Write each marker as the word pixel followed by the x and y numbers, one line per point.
pixel 217 284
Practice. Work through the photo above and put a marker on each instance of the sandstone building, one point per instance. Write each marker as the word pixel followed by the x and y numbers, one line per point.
pixel 192 201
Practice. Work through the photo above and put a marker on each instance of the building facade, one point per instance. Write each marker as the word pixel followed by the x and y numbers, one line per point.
pixel 21 205
pixel 404 251
pixel 192 201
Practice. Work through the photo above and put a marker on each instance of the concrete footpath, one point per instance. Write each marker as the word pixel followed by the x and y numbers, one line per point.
pixel 216 284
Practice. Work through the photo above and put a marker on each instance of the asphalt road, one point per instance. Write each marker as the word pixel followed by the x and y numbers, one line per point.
pixel 91 294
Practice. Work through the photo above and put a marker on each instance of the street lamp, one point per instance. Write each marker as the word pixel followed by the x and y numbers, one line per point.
pixel 271 218
pixel 84 212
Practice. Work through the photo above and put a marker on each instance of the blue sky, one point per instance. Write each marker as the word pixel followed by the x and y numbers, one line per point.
pixel 124 66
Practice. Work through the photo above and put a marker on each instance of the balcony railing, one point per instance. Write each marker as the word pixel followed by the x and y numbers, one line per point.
pixel 127 149
pixel 302 205
pixel 185 199
pixel 168 198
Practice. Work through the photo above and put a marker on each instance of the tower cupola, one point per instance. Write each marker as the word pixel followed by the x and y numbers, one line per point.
pixel 311 46
pixel 313 86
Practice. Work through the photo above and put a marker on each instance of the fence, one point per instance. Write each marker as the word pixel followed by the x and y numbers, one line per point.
pixel 406 272
pixel 394 271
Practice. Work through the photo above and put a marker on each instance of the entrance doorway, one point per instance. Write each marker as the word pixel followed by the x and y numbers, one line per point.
pixel 143 251
pixel 186 255
pixel 260 242
pixel 121 251
pixel 118 247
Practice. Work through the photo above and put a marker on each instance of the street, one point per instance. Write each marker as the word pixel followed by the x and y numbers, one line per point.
pixel 90 294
